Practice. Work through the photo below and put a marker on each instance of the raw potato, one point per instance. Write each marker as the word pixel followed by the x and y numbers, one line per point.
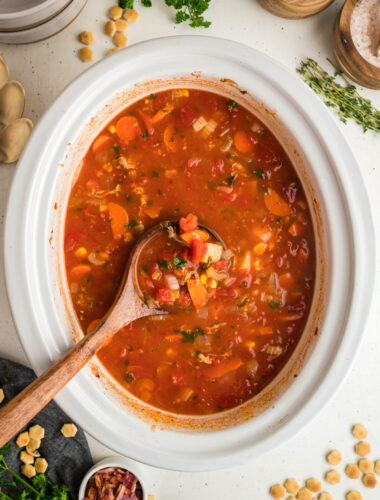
pixel 87 37
pixel 277 491
pixel 1 395
pixel 325 496
pixel 354 495
pixel 359 431
pixel 121 25
pixel 365 465
pixel 377 467
pixel 22 439
pixel 36 432
pixel 352 471
pixel 86 54
pixel 120 40
pixel 110 28
pixel 26 458
pixel 362 448
pixel 314 485
pixel 115 12
pixel 369 480
pixel 304 494
pixel 131 16
pixel 41 465
pixel 334 457
pixel 28 470
pixel 332 477
pixel 292 486
pixel 69 430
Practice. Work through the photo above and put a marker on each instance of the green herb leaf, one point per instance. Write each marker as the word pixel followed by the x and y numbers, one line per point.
pixel 144 134
pixel 125 4
pixel 164 264
pixel 231 105
pixel 132 223
pixel 129 377
pixel 146 3
pixel 155 174
pixel 190 10
pixel 231 180
pixel 274 305
pixel 260 173
pixel 153 96
pixel 190 336
pixel 179 263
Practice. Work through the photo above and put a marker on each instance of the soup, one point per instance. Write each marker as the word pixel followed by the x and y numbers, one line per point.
pixel 187 153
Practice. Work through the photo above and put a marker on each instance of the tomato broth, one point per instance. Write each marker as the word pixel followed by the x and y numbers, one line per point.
pixel 187 153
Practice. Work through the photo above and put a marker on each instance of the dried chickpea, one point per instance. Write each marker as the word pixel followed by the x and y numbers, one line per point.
pixel 332 477
pixel 304 494
pixel 369 480
pixel 359 431
pixel 352 471
pixel 2 396
pixel 354 495
pixel 69 430
pixel 120 40
pixel 22 439
pixel 277 491
pixel 28 470
pixel 334 457
pixel 377 467
pixel 325 496
pixel 292 486
pixel 314 485
pixel 121 25
pixel 26 458
pixel 110 28
pixel 87 37
pixel 362 448
pixel 36 432
pixel 115 12
pixel 111 51
pixel 41 465
pixel 365 465
pixel 131 15
pixel 86 54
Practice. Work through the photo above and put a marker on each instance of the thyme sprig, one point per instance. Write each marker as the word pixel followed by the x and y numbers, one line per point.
pixel 344 99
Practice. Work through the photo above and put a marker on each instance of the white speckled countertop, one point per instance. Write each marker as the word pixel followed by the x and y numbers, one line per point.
pixel 46 67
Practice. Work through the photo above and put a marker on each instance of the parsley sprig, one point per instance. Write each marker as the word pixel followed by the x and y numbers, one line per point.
pixel 190 335
pixel 344 99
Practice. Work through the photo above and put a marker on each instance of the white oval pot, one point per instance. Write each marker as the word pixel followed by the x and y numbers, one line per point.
pixel 345 251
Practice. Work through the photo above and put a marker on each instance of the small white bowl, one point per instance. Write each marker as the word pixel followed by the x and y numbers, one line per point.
pixel 123 463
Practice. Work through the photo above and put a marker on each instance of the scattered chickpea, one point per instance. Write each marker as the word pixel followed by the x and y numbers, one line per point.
pixel 369 480
pixel 87 37
pixel 86 54
pixel 359 431
pixel 365 465
pixel 352 471
pixel 121 25
pixel 334 457
pixel 277 491
pixel 332 477
pixel 131 16
pixel 110 28
pixel 292 486
pixel 304 494
pixel 354 495
pixel 120 40
pixel 115 12
pixel 362 448
pixel 314 485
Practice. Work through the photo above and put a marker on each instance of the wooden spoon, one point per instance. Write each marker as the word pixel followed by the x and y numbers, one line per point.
pixel 127 307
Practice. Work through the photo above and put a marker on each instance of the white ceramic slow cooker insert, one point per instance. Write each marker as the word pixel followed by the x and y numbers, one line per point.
pixel 34 247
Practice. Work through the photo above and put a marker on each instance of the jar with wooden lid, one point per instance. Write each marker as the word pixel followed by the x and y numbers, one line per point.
pixel 295 9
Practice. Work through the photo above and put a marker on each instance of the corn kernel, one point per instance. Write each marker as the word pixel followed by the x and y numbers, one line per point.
pixel 182 93
pixel 128 236
pixel 175 294
pixel 250 343
pixel 212 283
pixel 203 279
pixel 169 352
pixel 257 264
pixel 156 275
pixel 103 208
pixel 143 199
pixel 81 252
pixel 138 190
pixel 107 167
pixel 260 248
pixel 104 255
pixel 112 129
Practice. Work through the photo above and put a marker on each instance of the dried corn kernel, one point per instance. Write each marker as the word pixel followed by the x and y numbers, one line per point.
pixel 292 486
pixel 334 457
pixel 354 495
pixel 314 485
pixel 87 37
pixel 81 252
pixel 22 439
pixel 36 432
pixel 115 12
pixel 26 458
pixel 362 448
pixel 352 471
pixel 332 477
pixel 365 465
pixel 41 465
pixel 86 54
pixel 28 470
pixel 120 40
pixel 131 15
pixel 359 431
pixel 277 491
pixel 369 480
pixel 69 430
pixel 304 494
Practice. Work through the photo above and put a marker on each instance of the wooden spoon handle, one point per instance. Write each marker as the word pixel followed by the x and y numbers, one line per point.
pixel 22 408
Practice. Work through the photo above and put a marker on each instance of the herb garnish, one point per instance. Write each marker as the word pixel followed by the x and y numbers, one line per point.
pixel 129 377
pixel 131 223
pixel 144 134
pixel 274 305
pixel 190 336
pixel 344 99
pixel 231 180
pixel 231 105
pixel 260 173
pixel 190 10
pixel 164 264
pixel 125 4
pixel 179 263
pixel 155 173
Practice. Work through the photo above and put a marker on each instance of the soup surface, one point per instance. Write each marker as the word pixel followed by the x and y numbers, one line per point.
pixel 177 154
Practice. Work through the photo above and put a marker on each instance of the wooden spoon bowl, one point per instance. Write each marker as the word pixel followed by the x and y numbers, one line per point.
pixel 295 9
pixel 346 54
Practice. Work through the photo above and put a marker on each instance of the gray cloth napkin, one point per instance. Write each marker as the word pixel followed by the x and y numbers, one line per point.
pixel 68 458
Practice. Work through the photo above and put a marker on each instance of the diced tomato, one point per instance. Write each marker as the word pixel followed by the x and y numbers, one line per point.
pixel 188 223
pixel 266 155
pixel 218 167
pixel 221 265
pixel 230 293
pixel 184 299
pixel 187 115
pixel 147 120
pixel 197 249
pixel 155 272
pixel 164 295
pixel 71 241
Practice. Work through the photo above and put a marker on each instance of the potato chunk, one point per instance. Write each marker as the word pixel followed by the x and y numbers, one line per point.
pixel 213 253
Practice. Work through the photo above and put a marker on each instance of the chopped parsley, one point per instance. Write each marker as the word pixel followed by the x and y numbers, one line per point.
pixel 190 336
pixel 231 105
pixel 231 180
pixel 132 223
pixel 145 134
pixel 146 3
pixel 155 173
pixel 145 269
pixel 178 263
pixel 126 362
pixel 129 377
pixel 260 173
pixel 125 4
pixel 245 284
pixel 164 264
pixel 190 10
pixel 278 220
pixel 153 96
pixel 274 305
pixel 116 148
pixel 128 198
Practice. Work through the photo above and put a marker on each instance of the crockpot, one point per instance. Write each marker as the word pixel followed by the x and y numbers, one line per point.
pixel 34 257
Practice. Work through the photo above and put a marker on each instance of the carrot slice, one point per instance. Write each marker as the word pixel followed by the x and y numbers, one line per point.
pixel 127 128
pixel 217 371
pixel 162 113
pixel 172 139
pixel 174 337
pixel 147 120
pixel 102 142
pixel 78 272
pixel 152 211
pixel 276 204
pixel 264 330
pixel 198 234
pixel 119 219
pixel 198 293
pixel 243 142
